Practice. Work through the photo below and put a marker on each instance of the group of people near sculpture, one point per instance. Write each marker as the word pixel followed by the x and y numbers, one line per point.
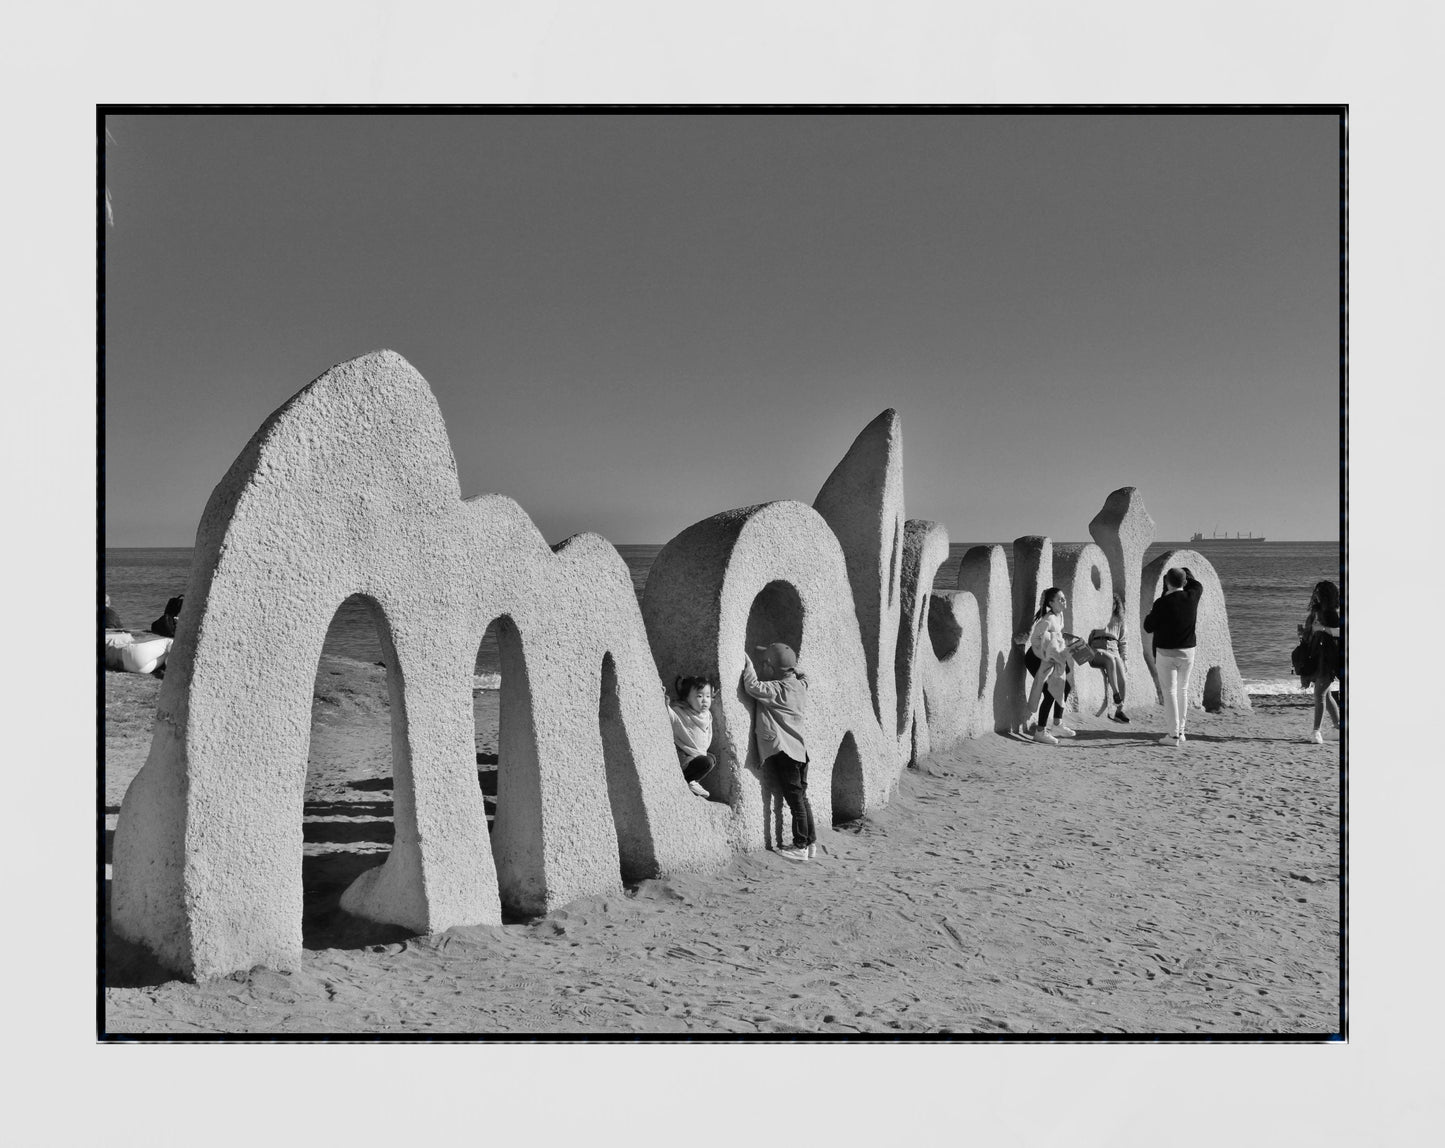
pixel 780 691
pixel 1052 655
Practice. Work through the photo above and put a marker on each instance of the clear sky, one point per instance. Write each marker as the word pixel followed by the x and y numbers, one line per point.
pixel 632 322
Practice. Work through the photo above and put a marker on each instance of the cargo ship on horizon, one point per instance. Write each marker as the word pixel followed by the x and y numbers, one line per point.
pixel 1236 537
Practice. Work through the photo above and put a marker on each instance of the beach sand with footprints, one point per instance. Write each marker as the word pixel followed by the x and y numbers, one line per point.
pixel 1109 885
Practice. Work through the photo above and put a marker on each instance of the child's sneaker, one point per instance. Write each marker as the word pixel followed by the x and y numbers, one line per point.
pixel 697 789
pixel 1317 737
pixel 792 853
pixel 1120 715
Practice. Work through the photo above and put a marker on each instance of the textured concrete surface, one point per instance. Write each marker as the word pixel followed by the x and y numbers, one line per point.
pixel 954 708
pixel 862 502
pixel 925 549
pixel 1082 572
pixel 983 572
pixel 1124 530
pixel 1214 682
pixel 348 489
pixel 748 578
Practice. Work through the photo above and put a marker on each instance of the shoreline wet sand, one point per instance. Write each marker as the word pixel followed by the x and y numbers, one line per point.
pixel 1109 885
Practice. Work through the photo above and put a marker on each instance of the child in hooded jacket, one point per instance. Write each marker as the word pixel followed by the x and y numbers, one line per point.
pixel 781 694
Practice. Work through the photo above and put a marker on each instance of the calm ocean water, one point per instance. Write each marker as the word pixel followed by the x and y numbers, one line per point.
pixel 1266 587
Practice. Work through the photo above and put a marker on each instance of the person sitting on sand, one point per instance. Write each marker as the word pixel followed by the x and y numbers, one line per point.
pixel 1048 661
pixel 1321 633
pixel 1171 621
pixel 692 730
pixel 782 697
pixel 165 625
pixel 122 651
pixel 1109 653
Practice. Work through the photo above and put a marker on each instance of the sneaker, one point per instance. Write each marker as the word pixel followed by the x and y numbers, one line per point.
pixel 1062 730
pixel 1180 740
pixel 792 854
pixel 813 851
pixel 697 789
pixel 1317 737
pixel 1044 737
pixel 1168 739
pixel 1120 715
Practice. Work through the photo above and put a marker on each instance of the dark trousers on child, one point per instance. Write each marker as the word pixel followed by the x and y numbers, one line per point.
pixel 792 779
pixel 698 767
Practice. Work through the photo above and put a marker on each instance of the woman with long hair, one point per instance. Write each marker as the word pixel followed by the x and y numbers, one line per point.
pixel 1321 632
pixel 1108 658
pixel 1047 659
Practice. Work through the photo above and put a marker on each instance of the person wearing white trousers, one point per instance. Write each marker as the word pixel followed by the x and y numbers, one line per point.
pixel 124 652
pixel 1171 621
pixel 1173 668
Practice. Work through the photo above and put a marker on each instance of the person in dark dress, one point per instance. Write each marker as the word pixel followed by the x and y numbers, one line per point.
pixel 1322 632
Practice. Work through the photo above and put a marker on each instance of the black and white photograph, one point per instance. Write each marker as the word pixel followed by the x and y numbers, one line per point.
pixel 812 574
pixel 687 572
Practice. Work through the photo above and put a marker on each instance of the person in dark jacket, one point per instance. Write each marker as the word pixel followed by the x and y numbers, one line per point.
pixel 165 625
pixel 1321 629
pixel 1171 621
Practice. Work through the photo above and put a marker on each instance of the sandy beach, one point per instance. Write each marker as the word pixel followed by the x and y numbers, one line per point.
pixel 1110 885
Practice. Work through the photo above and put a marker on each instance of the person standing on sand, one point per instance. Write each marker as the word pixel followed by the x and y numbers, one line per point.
pixel 1321 632
pixel 1047 659
pixel 691 718
pixel 1171 621
pixel 782 697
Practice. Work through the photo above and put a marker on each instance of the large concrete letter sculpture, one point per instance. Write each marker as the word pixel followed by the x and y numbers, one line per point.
pixel 983 572
pixel 751 577
pixel 1082 573
pixel 953 707
pixel 925 549
pixel 350 488
pixel 1215 681
pixel 862 502
pixel 1123 530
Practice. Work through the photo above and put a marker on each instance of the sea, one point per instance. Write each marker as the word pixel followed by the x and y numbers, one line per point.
pixel 1266 591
